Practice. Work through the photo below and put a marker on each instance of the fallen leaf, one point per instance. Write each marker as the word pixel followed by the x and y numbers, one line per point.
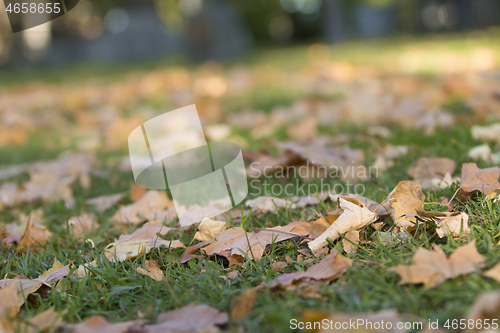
pixel 489 133
pixel 348 161
pixel 311 199
pixel 240 243
pixel 486 307
pixel 475 179
pixel 433 267
pixel 455 224
pixel 97 323
pixel 48 320
pixel 405 199
pixel 426 169
pixel 188 253
pixel 136 192
pixel 135 213
pixel 383 316
pixel 83 225
pixel 352 218
pixel 374 206
pixel 329 268
pixel 152 270
pixel 266 204
pixel 493 272
pixel 10 302
pixel 244 304
pixel 209 229
pixel 277 265
pixel 105 202
pixel 190 318
pixel 48 279
pixel 33 238
pixel 141 241
pixel 353 236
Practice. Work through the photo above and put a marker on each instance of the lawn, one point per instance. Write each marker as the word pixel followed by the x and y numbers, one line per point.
pixel 348 90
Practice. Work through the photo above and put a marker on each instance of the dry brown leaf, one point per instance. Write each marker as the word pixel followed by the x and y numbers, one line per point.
pixel 136 192
pixel 104 202
pixel 314 228
pixel 135 213
pixel 353 236
pixel 493 272
pixel 329 268
pixel 433 267
pixel 10 302
pixel 353 217
pixel 209 229
pixel 97 323
pixel 486 307
pixel 429 170
pixel 237 242
pixel 83 225
pixel 152 270
pixel 48 320
pixel 374 206
pixel 277 265
pixel 188 253
pixel 385 316
pixel 307 128
pixel 48 279
pixel 141 241
pixel 190 318
pixel 338 158
pixel 475 179
pixel 266 204
pixel 312 199
pixel 244 304
pixel 268 165
pixel 406 198
pixel 33 238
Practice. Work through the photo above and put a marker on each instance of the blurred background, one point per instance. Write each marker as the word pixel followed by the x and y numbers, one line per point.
pixel 258 71
pixel 112 30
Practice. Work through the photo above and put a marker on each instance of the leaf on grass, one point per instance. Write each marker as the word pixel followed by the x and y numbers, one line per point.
pixel 314 228
pixel 104 202
pixel 152 270
pixel 475 179
pixel 141 241
pixel 368 203
pixel 10 302
pixel 239 243
pixel 433 267
pixel 353 217
pixel 34 238
pixel 426 170
pixel 312 199
pixel 493 272
pixel 136 192
pixel 405 199
pixel 244 304
pixel 190 318
pixel 266 204
pixel 390 318
pixel 97 323
pixel 455 224
pixel 188 253
pixel 48 279
pixel 48 320
pixel 486 307
pixel 331 267
pixel 349 247
pixel 135 213
pixel 209 229
pixel 83 225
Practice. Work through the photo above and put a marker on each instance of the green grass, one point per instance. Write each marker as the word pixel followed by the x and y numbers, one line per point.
pixel 119 293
